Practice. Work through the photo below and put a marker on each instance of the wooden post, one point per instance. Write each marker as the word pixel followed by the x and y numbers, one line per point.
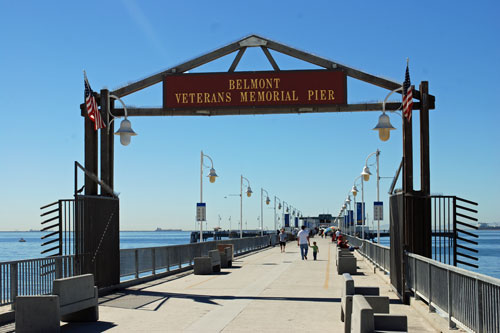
pixel 424 139
pixel 90 156
pixel 107 142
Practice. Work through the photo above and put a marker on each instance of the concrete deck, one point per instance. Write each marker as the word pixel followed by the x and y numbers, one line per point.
pixel 267 291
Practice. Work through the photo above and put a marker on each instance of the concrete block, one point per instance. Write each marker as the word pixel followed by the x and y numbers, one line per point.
pixel 223 260
pixel 229 254
pixel 202 265
pixel 346 265
pixel 393 323
pixel 216 262
pixel 223 247
pixel 362 315
pixel 85 310
pixel 364 318
pixel 74 289
pixel 37 313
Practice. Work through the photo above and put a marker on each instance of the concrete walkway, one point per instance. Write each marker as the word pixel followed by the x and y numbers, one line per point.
pixel 267 291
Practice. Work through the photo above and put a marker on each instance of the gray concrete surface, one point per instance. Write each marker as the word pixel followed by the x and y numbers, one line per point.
pixel 266 291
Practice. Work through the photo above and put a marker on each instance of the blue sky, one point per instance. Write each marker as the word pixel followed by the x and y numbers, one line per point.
pixel 309 161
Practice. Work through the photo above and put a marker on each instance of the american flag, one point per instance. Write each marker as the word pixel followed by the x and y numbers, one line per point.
pixel 92 110
pixel 407 95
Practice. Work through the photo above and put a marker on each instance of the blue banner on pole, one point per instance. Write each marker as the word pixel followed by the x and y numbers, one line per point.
pixel 287 220
pixel 351 218
pixel 296 222
pixel 359 220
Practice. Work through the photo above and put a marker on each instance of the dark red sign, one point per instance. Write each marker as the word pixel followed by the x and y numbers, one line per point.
pixel 249 89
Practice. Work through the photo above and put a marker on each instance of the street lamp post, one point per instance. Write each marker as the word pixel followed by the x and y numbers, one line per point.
pixel 262 209
pixel 212 175
pixel 279 207
pixel 366 176
pixel 354 192
pixel 249 194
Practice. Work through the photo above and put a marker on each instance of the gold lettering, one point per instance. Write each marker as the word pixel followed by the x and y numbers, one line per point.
pixel 238 84
pixel 288 97
pixel 184 98
pixel 252 96
pixel 231 84
pixel 254 83
pixel 220 97
pixel 269 83
pixel 276 82
pixel 191 96
pixel 243 96
pixel 310 93
pixel 228 97
pixel 276 96
pixel 178 97
pixel 331 96
pixel 246 87
pixel 269 96
pixel 295 97
pixel 323 94
pixel 262 83
pixel 261 96
pixel 199 98
pixel 207 97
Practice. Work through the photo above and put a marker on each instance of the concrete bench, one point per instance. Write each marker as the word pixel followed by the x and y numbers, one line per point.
pixel 222 247
pixel 364 319
pixel 207 265
pixel 73 299
pixel 379 304
pixel 346 264
pixel 226 252
pixel 225 258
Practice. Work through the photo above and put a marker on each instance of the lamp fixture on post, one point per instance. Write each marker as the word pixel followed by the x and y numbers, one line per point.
pixel 249 194
pixel 212 175
pixel 262 209
pixel 279 207
pixel 125 131
pixel 355 191
pixel 384 126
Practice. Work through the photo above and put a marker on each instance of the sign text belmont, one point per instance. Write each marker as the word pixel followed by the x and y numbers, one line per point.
pixel 248 89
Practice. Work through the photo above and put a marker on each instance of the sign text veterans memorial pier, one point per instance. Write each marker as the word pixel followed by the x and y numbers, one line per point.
pixel 254 89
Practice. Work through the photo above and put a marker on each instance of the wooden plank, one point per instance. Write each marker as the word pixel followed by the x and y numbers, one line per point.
pixel 237 59
pixel 132 112
pixel 149 81
pixel 270 58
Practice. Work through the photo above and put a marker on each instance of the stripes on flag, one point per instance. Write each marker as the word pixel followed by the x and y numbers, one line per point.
pixel 407 95
pixel 92 110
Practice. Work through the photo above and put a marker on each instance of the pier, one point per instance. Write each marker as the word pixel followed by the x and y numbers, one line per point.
pixel 265 291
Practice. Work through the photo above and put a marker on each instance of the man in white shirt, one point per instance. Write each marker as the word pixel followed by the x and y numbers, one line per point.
pixel 303 242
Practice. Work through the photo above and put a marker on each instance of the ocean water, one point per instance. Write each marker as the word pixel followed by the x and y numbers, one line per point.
pixel 11 249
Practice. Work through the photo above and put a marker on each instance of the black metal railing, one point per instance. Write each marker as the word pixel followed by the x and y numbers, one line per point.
pixel 59 223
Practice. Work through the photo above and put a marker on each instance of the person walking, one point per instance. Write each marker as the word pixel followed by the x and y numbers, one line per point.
pixel 315 250
pixel 303 242
pixel 283 238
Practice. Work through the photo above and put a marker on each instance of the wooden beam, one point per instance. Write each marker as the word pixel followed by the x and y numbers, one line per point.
pixel 223 51
pixel 237 59
pixel 149 81
pixel 328 64
pixel 262 110
pixel 270 58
